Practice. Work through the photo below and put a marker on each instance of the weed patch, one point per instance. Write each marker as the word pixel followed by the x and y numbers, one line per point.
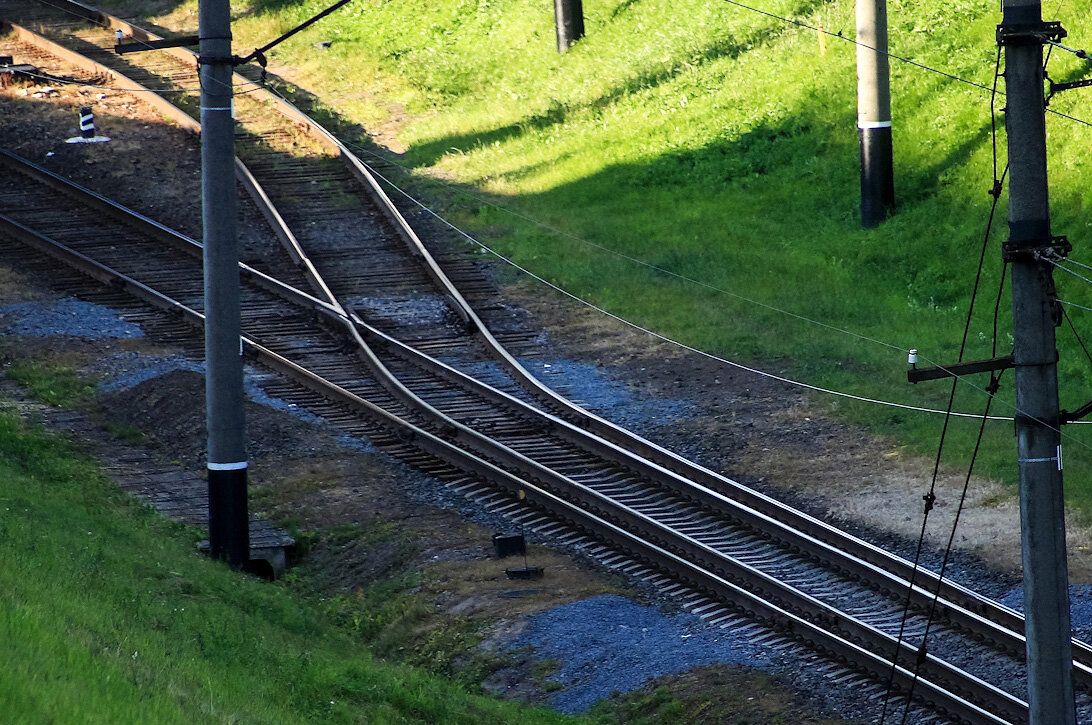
pixel 53 384
pixel 125 432
pixel 708 695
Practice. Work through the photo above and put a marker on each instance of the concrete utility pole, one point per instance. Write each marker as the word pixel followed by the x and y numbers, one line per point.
pixel 1034 316
pixel 874 113
pixel 569 18
pixel 229 535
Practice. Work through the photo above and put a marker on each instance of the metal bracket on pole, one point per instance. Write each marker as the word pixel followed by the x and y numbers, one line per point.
pixel 184 40
pixel 214 60
pixel 1030 251
pixel 1056 88
pixel 1029 34
pixel 917 375
pixel 1066 417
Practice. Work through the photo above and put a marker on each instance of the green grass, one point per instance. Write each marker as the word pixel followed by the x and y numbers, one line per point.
pixel 718 145
pixel 125 432
pixel 53 384
pixel 108 615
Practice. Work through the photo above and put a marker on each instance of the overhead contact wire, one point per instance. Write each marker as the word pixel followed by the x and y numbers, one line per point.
pixel 930 497
pixel 659 336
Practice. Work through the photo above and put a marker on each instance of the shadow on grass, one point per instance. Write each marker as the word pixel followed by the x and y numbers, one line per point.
pixel 557 113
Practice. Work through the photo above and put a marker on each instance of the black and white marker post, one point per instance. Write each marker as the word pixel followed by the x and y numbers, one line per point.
pixel 874 113
pixel 229 535
pixel 88 134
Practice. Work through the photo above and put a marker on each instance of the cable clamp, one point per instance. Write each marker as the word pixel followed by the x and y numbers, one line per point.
pixel 1053 423
pixel 930 499
pixel 262 61
pixel 1068 417
pixel 1033 250
pixel 233 60
pixel 1056 460
pixel 1056 88
pixel 1030 33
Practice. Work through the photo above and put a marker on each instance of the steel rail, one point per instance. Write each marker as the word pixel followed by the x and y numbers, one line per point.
pixel 703 497
pixel 947 589
pixel 702 494
pixel 642 537
pixel 187 122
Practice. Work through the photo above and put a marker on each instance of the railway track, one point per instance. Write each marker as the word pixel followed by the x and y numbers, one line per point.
pixel 738 553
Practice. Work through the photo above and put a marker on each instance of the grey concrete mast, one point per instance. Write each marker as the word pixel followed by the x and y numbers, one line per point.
pixel 874 113
pixel 229 536
pixel 1035 315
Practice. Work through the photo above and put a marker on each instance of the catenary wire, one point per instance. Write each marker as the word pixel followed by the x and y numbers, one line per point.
pixel 711 356
pixel 930 497
pixel 682 345
pixel 1061 267
pixel 1082 265
pixel 1074 304
pixel 72 82
pixel 652 333
pixel 1077 335
pixel 508 261
pixel 853 41
pixel 669 340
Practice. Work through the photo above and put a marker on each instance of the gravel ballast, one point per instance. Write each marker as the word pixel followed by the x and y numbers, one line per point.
pixel 67 316
pixel 608 644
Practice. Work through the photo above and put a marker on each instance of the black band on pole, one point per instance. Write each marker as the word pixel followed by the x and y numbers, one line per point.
pixel 229 526
pixel 877 178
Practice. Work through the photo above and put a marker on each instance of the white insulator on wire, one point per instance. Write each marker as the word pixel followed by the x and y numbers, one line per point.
pixel 912 358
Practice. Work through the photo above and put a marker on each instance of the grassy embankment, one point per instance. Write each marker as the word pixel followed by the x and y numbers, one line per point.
pixel 718 145
pixel 107 614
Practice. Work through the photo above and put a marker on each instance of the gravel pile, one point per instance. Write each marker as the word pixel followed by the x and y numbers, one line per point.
pixel 69 317
pixel 597 390
pixel 609 644
pixel 419 309
pixel 126 369
pixel 1080 608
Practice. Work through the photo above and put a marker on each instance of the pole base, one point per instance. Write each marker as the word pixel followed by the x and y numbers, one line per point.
pixel 93 139
pixel 229 524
